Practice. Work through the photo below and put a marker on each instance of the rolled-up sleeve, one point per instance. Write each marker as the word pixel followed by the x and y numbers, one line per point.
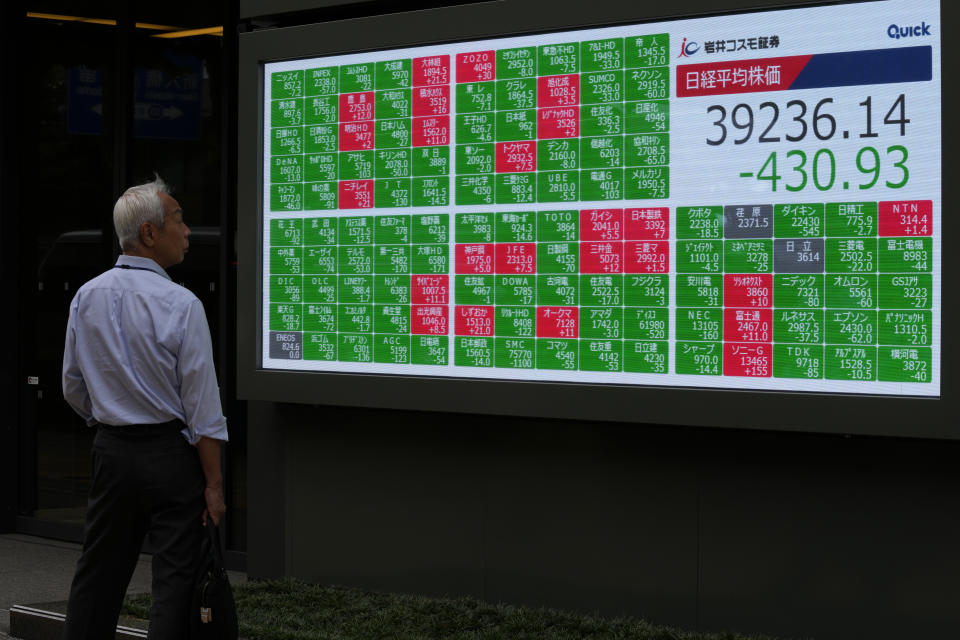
pixel 199 391
pixel 74 386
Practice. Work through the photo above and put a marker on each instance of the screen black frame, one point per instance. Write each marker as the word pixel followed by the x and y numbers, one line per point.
pixel 859 414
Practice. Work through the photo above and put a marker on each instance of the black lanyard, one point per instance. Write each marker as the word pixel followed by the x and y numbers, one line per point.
pixel 126 266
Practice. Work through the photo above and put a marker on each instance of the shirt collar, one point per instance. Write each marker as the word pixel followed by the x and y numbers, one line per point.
pixel 142 263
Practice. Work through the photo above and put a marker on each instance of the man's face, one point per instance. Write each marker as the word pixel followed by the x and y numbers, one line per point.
pixel 170 241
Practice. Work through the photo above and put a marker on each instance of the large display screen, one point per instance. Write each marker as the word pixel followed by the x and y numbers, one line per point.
pixel 748 201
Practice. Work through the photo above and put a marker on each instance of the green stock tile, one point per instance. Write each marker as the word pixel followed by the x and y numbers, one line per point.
pixel 472 190
pixel 321 167
pixel 475 128
pixel 649 50
pixel 558 155
pixel 601 290
pixel 321 110
pixel 748 256
pixel 699 358
pixel 286 316
pixel 320 317
pixel 431 228
pixel 322 81
pixel 699 256
pixel 287 112
pixel 558 226
pixel 473 352
pixel 431 161
pixel 646 323
pixel 432 350
pixel 557 353
pixel 604 323
pixel 320 231
pixel 391 318
pixel 557 290
pixel 558 59
pixel 650 116
pixel 906 291
pixel 474 290
pixel 648 84
pixel 699 223
pixel 392 193
pixel 602 86
pixel 393 74
pixel 804 361
pixel 851 363
pixel 601 153
pixel 320 346
pixel 699 324
pixel 906 328
pixel 851 219
pixel 391 289
pixel 356 77
pixel 286 84
pixel 801 326
pixel 515 226
pixel 286 260
pixel 558 186
pixel 851 255
pixel 355 259
pixel 851 327
pixel 321 138
pixel 898 364
pixel 355 318
pixel 355 289
pixel 356 165
pixel 517 63
pixel 646 357
pixel 518 290
pixel 798 220
pixel 286 288
pixel 700 290
pixel 906 255
pixel 601 184
pixel 851 291
pixel 393 103
pixel 391 349
pixel 645 290
pixel 601 55
pixel 391 258
pixel 320 288
pixel 431 258
pixel 515 353
pixel 798 291
pixel 516 188
pixel 475 97
pixel 474 227
pixel 520 93
pixel 355 347
pixel 601 355
pixel 602 120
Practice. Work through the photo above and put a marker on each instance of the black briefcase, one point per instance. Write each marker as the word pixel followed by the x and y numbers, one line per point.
pixel 213 613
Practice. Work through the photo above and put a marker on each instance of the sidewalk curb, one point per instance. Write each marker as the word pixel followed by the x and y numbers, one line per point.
pixel 30 623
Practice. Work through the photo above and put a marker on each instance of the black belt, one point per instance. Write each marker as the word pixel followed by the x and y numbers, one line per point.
pixel 173 425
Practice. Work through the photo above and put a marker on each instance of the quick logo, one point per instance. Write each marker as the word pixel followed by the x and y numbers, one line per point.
pixel 896 32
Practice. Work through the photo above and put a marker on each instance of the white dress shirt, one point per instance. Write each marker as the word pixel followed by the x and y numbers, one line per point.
pixel 138 352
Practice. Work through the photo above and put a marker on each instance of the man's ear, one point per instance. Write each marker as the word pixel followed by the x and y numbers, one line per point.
pixel 146 234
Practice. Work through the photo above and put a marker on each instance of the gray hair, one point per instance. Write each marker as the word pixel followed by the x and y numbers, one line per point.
pixel 138 205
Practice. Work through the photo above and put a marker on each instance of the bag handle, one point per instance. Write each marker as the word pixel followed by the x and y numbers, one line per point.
pixel 213 536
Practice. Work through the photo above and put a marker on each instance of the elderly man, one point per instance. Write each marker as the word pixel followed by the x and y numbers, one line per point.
pixel 138 365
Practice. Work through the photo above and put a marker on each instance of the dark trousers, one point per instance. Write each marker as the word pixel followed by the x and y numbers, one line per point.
pixel 147 483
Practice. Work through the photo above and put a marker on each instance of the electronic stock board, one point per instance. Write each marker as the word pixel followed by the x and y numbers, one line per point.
pixel 749 201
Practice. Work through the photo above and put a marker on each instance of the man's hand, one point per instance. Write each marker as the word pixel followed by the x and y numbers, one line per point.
pixel 215 505
pixel 209 451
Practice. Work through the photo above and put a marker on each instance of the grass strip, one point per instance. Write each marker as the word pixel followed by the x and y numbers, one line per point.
pixel 292 610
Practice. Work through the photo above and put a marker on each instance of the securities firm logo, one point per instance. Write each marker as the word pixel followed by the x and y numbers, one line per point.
pixel 896 31
pixel 687 49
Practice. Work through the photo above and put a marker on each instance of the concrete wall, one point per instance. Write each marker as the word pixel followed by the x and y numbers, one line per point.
pixel 785 534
